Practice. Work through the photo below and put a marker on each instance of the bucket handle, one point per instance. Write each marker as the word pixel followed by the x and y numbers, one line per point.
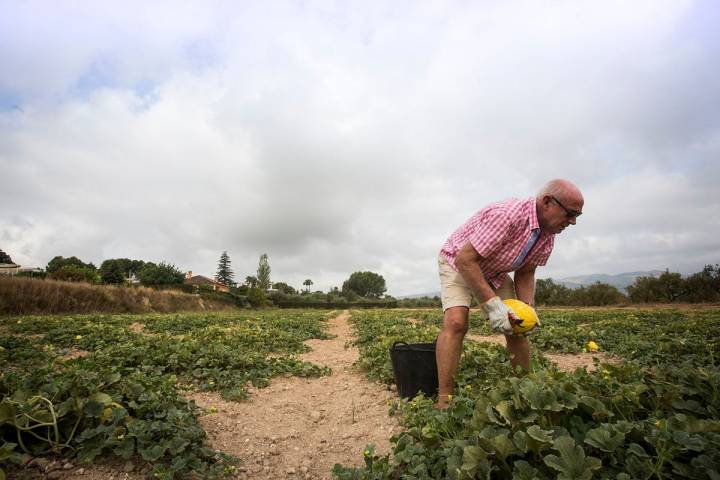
pixel 400 342
pixel 409 345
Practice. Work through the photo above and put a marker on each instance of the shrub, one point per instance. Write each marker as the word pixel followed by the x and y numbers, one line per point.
pixel 257 297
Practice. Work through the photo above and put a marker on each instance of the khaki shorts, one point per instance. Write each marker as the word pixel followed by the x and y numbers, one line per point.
pixel 454 291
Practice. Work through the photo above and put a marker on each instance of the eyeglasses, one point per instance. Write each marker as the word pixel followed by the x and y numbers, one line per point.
pixel 568 212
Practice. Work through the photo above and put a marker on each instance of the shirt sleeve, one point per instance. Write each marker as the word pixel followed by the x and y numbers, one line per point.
pixel 488 234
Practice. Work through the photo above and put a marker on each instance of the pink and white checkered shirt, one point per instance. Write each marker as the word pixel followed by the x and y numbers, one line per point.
pixel 499 232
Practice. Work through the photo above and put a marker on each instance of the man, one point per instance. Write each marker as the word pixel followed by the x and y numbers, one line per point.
pixel 510 236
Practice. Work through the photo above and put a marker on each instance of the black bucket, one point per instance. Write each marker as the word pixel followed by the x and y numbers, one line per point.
pixel 415 368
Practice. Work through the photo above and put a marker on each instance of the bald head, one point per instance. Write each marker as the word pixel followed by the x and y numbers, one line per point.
pixel 560 188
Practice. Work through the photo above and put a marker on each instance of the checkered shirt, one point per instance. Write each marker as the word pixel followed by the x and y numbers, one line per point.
pixel 499 232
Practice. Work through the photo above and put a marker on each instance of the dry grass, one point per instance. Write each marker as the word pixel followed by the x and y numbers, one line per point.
pixel 27 296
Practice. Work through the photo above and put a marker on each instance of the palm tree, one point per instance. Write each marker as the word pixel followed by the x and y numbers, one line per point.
pixel 307 284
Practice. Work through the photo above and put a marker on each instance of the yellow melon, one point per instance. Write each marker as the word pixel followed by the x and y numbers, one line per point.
pixel 528 318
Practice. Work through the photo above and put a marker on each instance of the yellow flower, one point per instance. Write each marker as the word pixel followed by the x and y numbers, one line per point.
pixel 19 322
pixel 592 346
pixel 211 382
pixel 78 337
pixel 366 452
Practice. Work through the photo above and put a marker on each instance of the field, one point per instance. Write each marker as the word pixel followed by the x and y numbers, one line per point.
pixel 274 394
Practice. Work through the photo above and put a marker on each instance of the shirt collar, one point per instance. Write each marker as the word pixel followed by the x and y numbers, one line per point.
pixel 532 205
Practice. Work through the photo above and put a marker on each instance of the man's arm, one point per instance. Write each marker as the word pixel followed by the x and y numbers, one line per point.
pixel 467 263
pixel 525 284
pixel 496 311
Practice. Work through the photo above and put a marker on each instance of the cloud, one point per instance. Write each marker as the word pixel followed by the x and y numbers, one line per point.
pixel 338 137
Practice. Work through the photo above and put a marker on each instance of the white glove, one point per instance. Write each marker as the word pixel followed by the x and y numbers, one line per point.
pixel 499 315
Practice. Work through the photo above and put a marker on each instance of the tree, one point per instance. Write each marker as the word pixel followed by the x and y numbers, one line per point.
pixel 263 273
pixel 117 270
pixel 668 287
pixel 283 287
pixel 5 258
pixel 308 283
pixel 596 294
pixel 72 269
pixel 671 286
pixel 160 274
pixel 703 286
pixel 74 273
pixel 365 284
pixel 111 272
pixel 548 292
pixel 58 262
pixel 251 281
pixel 256 297
pixel 644 290
pixel 224 274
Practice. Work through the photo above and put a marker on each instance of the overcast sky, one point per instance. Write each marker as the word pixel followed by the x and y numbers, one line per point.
pixel 345 136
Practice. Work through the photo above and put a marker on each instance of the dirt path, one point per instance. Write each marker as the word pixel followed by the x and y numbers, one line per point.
pixel 299 428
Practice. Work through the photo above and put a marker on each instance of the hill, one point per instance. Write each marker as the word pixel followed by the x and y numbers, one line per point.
pixel 619 281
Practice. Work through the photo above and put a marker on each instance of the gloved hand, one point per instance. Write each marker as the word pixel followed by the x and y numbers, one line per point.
pixel 499 315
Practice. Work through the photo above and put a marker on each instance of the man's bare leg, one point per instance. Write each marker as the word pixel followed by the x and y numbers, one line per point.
pixel 448 350
pixel 518 348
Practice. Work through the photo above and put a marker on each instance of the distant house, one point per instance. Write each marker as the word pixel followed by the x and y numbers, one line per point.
pixel 9 268
pixel 199 280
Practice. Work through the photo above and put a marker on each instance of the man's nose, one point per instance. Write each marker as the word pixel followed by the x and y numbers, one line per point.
pixel 572 220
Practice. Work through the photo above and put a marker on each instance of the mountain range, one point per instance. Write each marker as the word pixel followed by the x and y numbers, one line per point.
pixel 619 281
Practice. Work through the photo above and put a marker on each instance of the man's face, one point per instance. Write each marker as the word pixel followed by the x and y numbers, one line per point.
pixel 559 213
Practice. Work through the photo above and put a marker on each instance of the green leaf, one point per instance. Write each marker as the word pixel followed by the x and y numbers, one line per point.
pixel 501 445
pixel 522 470
pixel 690 442
pixel 637 450
pixel 88 452
pixel 572 462
pixel 540 435
pixel 597 409
pixel 112 378
pixel 475 463
pixel 93 409
pixel 540 398
pixel 7 412
pixel 66 407
pixel 126 448
pixel 605 438
pixel 102 398
pixel 153 453
pixel 6 450
pixel 505 409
